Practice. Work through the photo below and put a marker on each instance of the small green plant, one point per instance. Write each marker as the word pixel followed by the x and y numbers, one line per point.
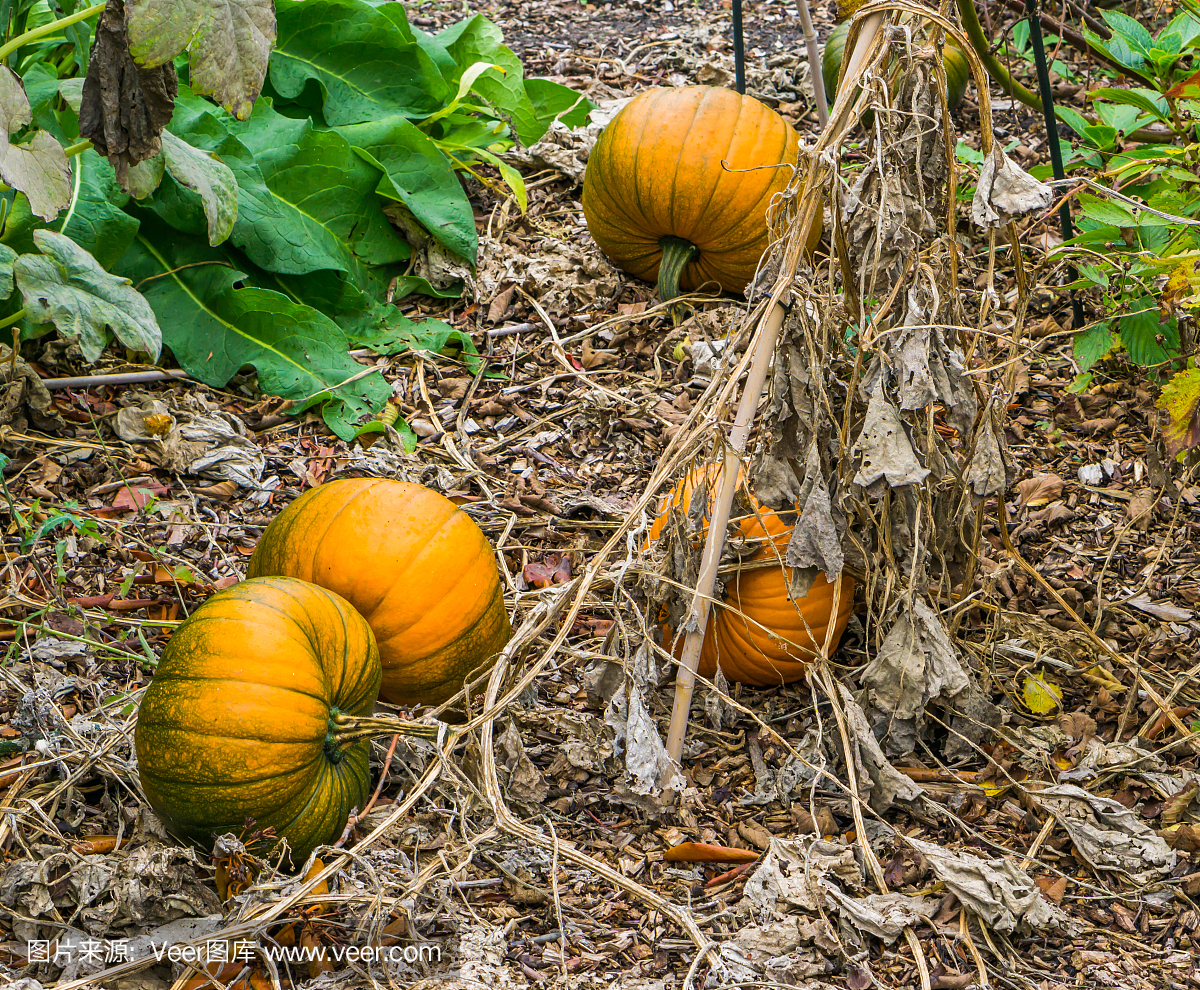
pixel 1139 239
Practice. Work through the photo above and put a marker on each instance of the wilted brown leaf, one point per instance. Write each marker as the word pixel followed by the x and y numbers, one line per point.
pixel 1041 489
pixel 125 108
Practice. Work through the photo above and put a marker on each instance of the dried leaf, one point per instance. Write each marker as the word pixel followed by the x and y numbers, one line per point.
pixel 1139 510
pixel 986 473
pixel 996 890
pixel 883 446
pixel 125 107
pixel 1041 489
pixel 815 541
pixel 1107 834
pixel 916 665
pixel 1005 190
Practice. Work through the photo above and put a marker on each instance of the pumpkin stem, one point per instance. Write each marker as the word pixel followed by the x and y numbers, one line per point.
pixel 676 254
pixel 348 729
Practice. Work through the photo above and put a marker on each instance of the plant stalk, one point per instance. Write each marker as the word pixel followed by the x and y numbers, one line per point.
pixel 676 255
pixel 47 29
pixel 348 729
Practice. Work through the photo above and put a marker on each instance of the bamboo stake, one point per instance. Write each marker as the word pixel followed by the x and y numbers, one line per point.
pixel 765 338
pixel 814 64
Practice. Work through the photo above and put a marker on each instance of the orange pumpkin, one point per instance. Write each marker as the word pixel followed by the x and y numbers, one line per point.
pixel 759 634
pixel 244 717
pixel 415 566
pixel 674 189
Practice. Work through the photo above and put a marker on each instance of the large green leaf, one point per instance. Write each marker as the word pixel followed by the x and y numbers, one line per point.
pixel 554 101
pixel 476 40
pixel 1146 340
pixel 325 191
pixel 365 63
pixel 215 329
pixel 417 174
pixel 65 286
pixel 95 220
pixel 306 201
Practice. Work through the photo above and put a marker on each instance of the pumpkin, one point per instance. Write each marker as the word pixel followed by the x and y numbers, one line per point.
pixel 251 715
pixel 759 634
pixel 660 203
pixel 413 563
pixel 953 60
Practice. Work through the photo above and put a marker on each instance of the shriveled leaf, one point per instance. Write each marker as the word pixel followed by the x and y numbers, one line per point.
pixel 214 329
pixel 1041 695
pixel 65 286
pixel 883 447
pixel 124 107
pixel 1181 400
pixel 367 65
pixel 37 168
pixel 208 177
pixel 229 43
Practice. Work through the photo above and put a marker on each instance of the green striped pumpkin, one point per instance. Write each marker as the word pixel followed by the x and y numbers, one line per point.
pixel 240 720
pixel 955 62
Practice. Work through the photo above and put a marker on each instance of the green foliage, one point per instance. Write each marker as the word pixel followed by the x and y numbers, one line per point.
pixel 258 237
pixel 1139 221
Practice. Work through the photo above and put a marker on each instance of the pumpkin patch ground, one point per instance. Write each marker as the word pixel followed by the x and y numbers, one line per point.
pixel 994 786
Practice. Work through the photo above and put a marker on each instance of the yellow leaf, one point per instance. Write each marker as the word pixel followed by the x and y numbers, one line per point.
pixel 679 353
pixel 1181 399
pixel 1041 695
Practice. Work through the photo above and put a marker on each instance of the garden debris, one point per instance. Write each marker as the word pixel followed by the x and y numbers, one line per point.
pixel 1107 834
pixel 916 667
pixel 996 890
pixel 209 443
pixel 24 400
pixel 557 448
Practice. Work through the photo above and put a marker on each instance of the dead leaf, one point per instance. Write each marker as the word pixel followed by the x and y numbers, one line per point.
pixel 1041 489
pixel 125 107
pixel 593 358
pixel 1139 510
pixel 1052 888
pixel 500 304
